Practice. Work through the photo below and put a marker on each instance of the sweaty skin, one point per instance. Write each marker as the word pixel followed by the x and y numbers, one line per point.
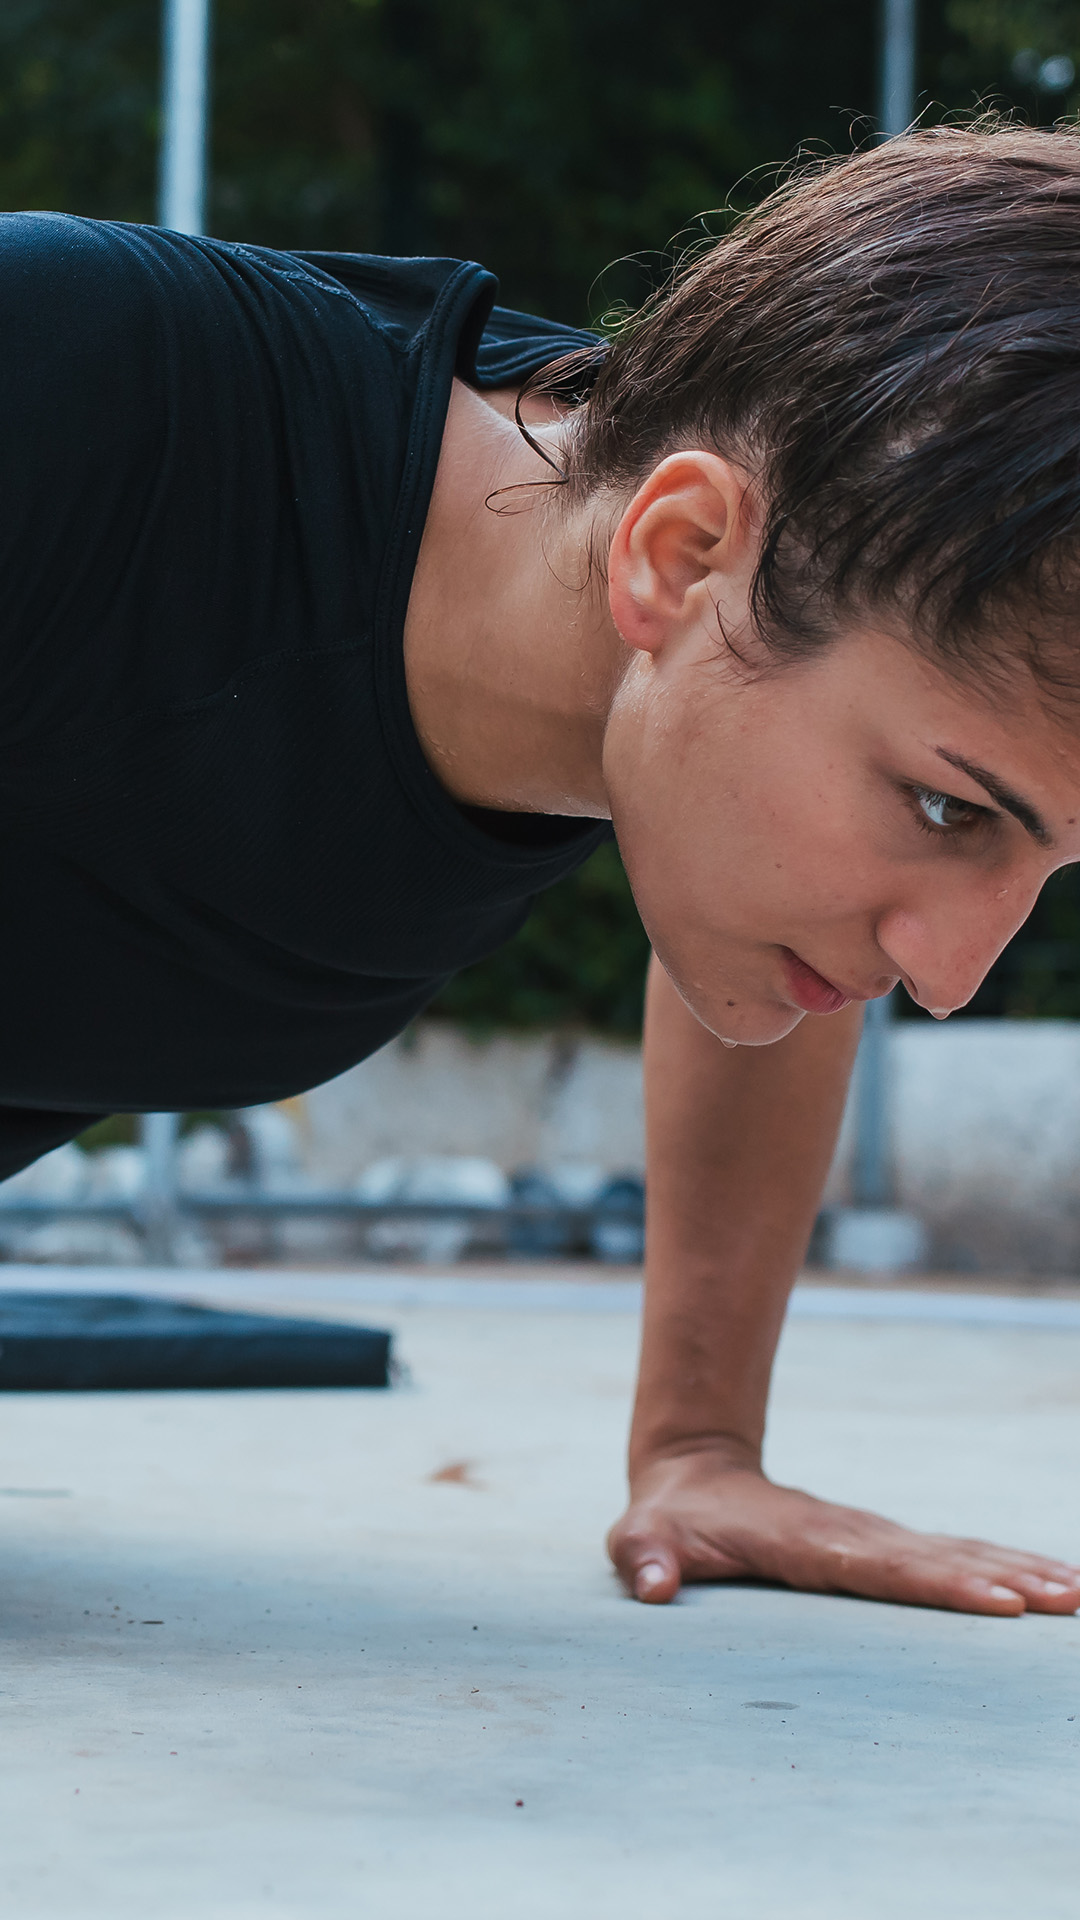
pixel 799 837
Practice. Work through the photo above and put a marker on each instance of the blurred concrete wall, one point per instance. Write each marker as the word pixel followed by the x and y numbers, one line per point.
pixel 986 1140
pixel 986 1123
pixel 518 1101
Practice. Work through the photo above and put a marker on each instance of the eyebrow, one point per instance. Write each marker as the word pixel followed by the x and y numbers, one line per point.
pixel 1029 817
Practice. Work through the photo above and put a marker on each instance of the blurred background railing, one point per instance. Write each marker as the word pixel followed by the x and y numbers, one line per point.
pixel 166 1200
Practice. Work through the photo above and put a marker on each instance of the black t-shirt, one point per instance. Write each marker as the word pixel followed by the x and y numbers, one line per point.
pixel 227 872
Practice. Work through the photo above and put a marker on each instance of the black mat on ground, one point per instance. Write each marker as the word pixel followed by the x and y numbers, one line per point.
pixel 79 1342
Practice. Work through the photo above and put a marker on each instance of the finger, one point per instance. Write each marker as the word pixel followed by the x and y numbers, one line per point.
pixel 967 1576
pixel 916 1580
pixel 646 1564
pixel 1045 1595
pixel 1014 1560
pixel 988 1596
pixel 1046 1571
pixel 1048 1586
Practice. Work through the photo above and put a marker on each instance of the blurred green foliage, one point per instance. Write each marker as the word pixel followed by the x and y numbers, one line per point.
pixel 122 1129
pixel 546 140
pixel 580 957
pixel 550 141
pixel 999 49
pixel 78 106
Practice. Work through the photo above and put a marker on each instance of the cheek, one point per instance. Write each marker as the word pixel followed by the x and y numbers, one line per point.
pixel 727 835
pixel 817 850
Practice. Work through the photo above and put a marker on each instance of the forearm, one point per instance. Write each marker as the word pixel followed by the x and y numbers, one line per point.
pixel 739 1143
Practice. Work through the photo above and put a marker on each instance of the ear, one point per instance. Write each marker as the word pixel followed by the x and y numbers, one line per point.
pixel 686 531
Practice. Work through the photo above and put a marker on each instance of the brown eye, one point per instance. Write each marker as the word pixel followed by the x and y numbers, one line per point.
pixel 944 810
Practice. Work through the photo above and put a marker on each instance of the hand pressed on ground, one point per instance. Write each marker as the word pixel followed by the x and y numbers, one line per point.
pixel 696 1516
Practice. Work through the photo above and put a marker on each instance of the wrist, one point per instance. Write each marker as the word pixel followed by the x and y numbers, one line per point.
pixel 709 1452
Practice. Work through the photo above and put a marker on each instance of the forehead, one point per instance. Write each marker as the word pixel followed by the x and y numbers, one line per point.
pixel 998 726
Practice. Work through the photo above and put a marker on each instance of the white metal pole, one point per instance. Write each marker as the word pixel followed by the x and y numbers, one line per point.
pixel 871 1171
pixel 160 1137
pixel 185 89
pixel 896 110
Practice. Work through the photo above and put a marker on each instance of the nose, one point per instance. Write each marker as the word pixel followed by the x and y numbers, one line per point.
pixel 944 949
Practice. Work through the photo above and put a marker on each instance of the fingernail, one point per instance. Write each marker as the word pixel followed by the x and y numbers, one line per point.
pixel 651 1575
pixel 1054 1586
pixel 1004 1593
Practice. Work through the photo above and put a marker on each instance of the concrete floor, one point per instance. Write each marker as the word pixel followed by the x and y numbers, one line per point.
pixel 303 1654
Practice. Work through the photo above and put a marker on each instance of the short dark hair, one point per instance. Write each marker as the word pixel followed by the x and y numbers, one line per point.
pixel 891 343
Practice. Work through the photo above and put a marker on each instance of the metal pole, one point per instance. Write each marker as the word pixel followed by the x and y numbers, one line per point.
pixel 896 109
pixel 871 1171
pixel 185 87
pixel 160 1133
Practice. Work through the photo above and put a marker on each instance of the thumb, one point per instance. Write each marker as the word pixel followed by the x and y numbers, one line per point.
pixel 645 1561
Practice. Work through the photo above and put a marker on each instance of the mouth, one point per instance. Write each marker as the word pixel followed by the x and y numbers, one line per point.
pixel 810 990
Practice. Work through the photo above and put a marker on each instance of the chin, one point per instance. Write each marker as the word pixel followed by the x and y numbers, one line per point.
pixel 749 1024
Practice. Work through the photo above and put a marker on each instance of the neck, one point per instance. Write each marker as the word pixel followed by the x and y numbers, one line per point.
pixel 511 656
